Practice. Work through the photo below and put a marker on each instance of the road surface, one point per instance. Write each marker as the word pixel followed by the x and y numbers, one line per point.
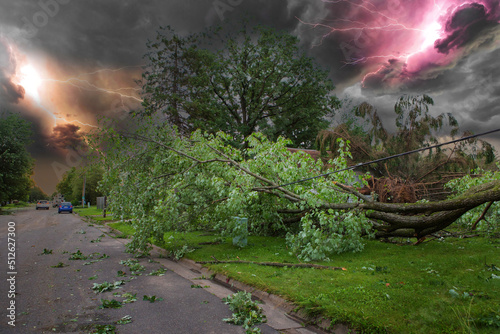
pixel 43 291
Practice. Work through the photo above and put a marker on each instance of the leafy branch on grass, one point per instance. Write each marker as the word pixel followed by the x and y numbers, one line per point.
pixel 246 312
pixel 179 253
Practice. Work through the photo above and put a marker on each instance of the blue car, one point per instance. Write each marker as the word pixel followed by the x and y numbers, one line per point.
pixel 65 207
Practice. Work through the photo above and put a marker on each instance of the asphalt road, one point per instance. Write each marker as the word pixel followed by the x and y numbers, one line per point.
pixel 52 299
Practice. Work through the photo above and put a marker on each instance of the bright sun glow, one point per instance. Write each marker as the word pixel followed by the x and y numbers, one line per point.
pixel 30 80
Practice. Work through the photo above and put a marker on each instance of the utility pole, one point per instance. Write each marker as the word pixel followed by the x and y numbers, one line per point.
pixel 83 190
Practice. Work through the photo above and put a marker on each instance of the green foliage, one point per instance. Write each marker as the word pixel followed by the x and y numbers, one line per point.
pixel 59 265
pixel 129 297
pixel 16 164
pixel 124 320
pixel 324 233
pixel 159 272
pixel 103 329
pixel 180 252
pixel 113 303
pixel 151 299
pixel 386 288
pixel 258 80
pixel 36 193
pixel 491 222
pixel 106 286
pixel 246 312
pixel 203 182
pixel 71 185
pixel 46 251
pixel 78 255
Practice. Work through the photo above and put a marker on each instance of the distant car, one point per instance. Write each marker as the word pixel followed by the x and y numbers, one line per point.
pixel 65 207
pixel 42 205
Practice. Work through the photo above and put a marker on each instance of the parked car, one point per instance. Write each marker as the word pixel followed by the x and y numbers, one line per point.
pixel 42 205
pixel 65 207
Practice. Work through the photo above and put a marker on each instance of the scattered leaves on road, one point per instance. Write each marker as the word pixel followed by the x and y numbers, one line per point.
pixel 106 286
pixel 151 299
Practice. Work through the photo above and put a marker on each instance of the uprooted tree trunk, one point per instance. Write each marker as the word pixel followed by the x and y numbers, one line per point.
pixel 421 219
pixel 414 220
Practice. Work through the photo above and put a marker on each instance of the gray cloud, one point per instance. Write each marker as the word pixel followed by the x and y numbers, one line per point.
pixel 77 37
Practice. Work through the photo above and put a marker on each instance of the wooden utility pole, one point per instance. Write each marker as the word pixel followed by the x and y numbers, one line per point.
pixel 83 191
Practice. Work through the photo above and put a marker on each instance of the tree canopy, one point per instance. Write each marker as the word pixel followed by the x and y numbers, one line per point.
pixel 36 193
pixel 16 164
pixel 258 80
pixel 71 185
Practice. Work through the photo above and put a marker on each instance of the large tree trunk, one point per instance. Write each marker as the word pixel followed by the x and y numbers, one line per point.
pixel 421 219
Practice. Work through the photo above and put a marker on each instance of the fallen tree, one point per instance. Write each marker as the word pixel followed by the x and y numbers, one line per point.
pixel 169 183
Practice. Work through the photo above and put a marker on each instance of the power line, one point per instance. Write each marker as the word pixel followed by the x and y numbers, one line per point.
pixel 388 158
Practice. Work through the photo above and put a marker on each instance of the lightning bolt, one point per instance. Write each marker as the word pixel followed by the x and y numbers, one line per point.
pixel 84 84
pixel 424 33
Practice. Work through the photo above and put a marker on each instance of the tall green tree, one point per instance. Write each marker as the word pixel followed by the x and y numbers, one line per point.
pixel 168 77
pixel 64 187
pixel 258 80
pixel 16 164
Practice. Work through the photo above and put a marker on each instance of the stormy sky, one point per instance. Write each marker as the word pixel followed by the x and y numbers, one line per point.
pixel 64 63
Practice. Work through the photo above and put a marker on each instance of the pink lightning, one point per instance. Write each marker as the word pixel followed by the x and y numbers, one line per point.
pixel 399 40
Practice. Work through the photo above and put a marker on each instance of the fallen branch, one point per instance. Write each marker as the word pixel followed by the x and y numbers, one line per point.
pixel 482 217
pixel 275 264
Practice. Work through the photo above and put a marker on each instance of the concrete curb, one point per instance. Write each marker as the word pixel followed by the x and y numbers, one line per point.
pixel 281 314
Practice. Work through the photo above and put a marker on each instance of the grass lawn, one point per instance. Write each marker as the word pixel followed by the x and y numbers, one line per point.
pixel 92 211
pixel 15 205
pixel 448 286
pixel 9 208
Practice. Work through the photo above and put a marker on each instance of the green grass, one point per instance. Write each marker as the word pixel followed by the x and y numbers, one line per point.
pixel 92 211
pixel 398 289
pixel 15 205
pixel 125 228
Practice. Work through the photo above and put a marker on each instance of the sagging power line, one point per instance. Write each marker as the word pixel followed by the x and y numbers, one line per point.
pixel 387 158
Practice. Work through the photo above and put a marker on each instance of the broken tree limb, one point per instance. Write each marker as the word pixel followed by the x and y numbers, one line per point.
pixel 482 216
pixel 275 264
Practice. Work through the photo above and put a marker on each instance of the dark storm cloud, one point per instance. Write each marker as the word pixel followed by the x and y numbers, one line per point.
pixel 85 36
pixel 465 25
pixel 9 91
pixel 66 136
